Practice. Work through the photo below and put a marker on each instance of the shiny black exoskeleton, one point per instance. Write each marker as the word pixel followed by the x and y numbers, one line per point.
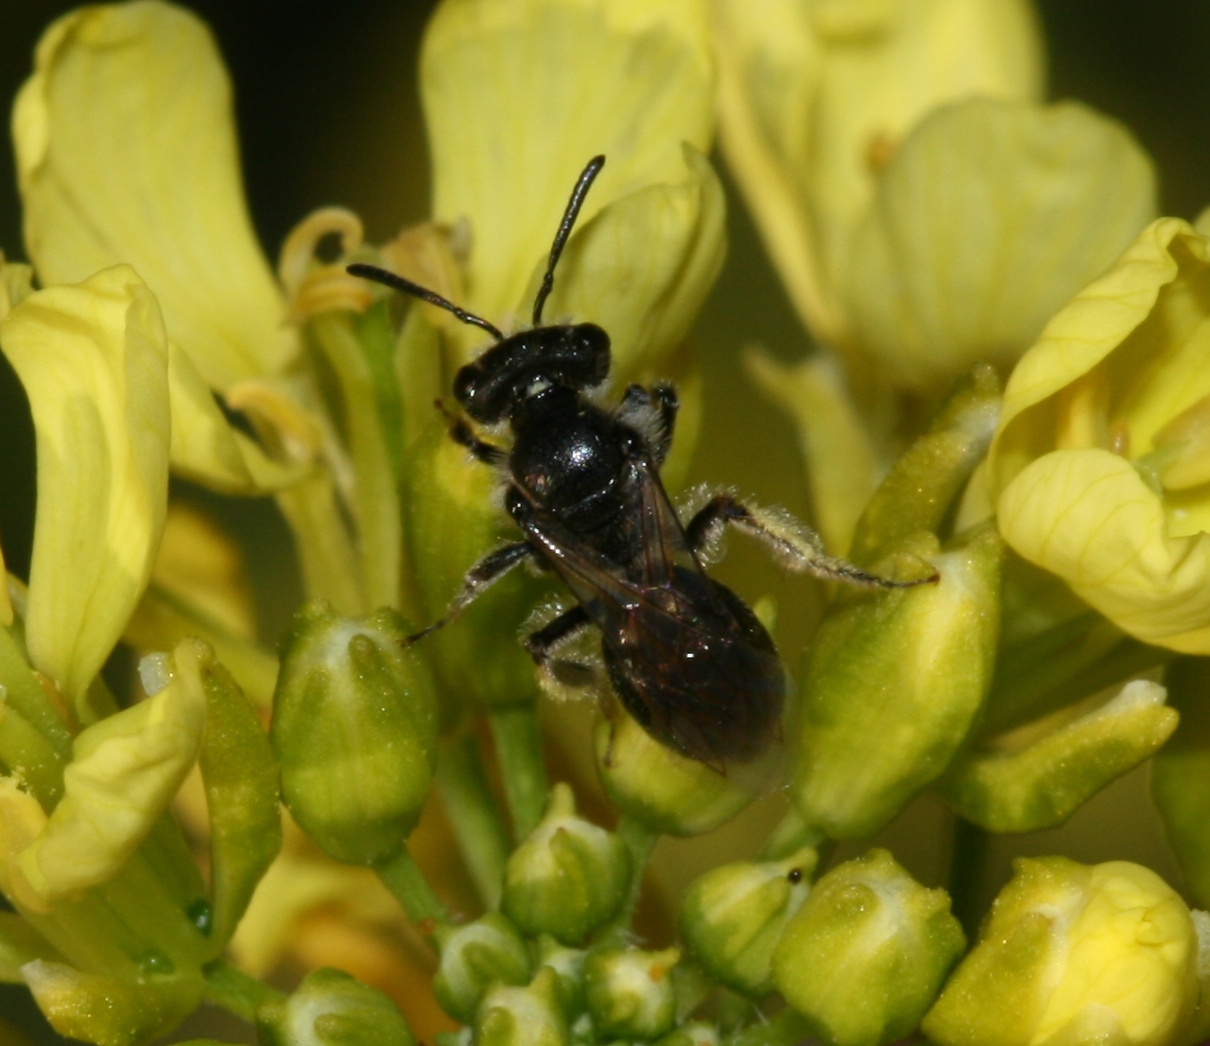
pixel 685 656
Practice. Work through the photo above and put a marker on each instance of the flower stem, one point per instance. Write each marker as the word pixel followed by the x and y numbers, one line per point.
pixel 519 749
pixel 411 889
pixel 968 857
pixel 473 815
pixel 791 833
pixel 236 992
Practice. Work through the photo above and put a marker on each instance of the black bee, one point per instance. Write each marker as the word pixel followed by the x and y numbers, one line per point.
pixel 685 655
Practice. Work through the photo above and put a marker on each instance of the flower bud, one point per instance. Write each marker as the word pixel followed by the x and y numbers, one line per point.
pixel 475 956
pixel 695 1033
pixel 568 964
pixel 523 1016
pixel 1074 953
pixel 892 686
pixel 1025 782
pixel 354 725
pixel 630 992
pixel 865 954
pixel 662 790
pixel 734 916
pixel 330 1008
pixel 568 877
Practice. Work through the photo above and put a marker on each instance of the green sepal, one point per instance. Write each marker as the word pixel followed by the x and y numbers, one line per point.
pixel 109 1011
pixel 21 943
pixel 239 772
pixel 893 685
pixel 917 493
pixel 1039 782
pixel 526 1015
pixel 487 951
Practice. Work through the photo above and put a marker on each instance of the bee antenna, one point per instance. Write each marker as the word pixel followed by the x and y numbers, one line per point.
pixel 583 184
pixel 390 279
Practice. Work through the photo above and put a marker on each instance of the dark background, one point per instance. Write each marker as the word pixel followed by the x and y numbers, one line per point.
pixel 328 114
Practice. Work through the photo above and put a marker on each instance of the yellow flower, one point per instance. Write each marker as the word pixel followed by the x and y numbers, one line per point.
pixel 815 98
pixel 1100 465
pixel 1074 954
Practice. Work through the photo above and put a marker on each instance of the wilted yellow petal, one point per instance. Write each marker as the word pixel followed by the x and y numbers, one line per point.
pixel 126 152
pixel 22 820
pixel 126 770
pixel 1087 516
pixel 519 94
pixel 642 267
pixel 989 217
pixel 94 362
pixel 815 96
pixel 1145 320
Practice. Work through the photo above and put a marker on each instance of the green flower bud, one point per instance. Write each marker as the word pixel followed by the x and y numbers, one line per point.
pixel 523 1016
pixel 630 992
pixel 734 916
pixel 355 727
pixel 662 790
pixel 475 956
pixel 866 953
pixel 330 1008
pixel 568 877
pixel 893 685
pixel 1024 782
pixel 1074 953
pixel 568 964
pixel 695 1033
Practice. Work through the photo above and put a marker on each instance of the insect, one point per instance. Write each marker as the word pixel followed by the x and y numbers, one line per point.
pixel 685 656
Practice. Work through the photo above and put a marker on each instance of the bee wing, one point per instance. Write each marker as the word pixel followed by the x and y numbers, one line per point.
pixel 662 537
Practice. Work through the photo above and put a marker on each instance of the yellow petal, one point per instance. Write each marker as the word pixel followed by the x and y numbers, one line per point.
pixel 94 362
pixel 126 770
pixel 126 152
pixel 1144 320
pixel 1087 516
pixel 519 94
pixel 842 466
pixel 642 267
pixel 989 217
pixel 813 97
pixel 21 822
pixel 208 449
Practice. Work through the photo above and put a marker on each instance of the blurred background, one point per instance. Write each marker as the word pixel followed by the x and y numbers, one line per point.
pixel 328 113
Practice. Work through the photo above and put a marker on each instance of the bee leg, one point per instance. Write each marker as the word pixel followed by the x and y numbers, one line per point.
pixel 653 413
pixel 461 433
pixel 561 674
pixel 795 545
pixel 490 569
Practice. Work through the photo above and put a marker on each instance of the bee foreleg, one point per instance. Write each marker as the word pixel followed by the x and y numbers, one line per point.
pixel 795 545
pixel 461 433
pixel 480 577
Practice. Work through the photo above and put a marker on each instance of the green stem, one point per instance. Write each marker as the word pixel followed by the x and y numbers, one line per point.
pixel 791 833
pixel 411 889
pixel 639 840
pixel 473 815
pixel 519 748
pixel 236 992
pixel 325 549
pixel 968 858
pixel 788 1028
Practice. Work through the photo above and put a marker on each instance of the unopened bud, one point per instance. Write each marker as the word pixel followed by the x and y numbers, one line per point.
pixel 866 953
pixel 330 1008
pixel 568 877
pixel 523 1016
pixel 734 916
pixel 1074 953
pixel 630 992
pixel 488 951
pixel 355 728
